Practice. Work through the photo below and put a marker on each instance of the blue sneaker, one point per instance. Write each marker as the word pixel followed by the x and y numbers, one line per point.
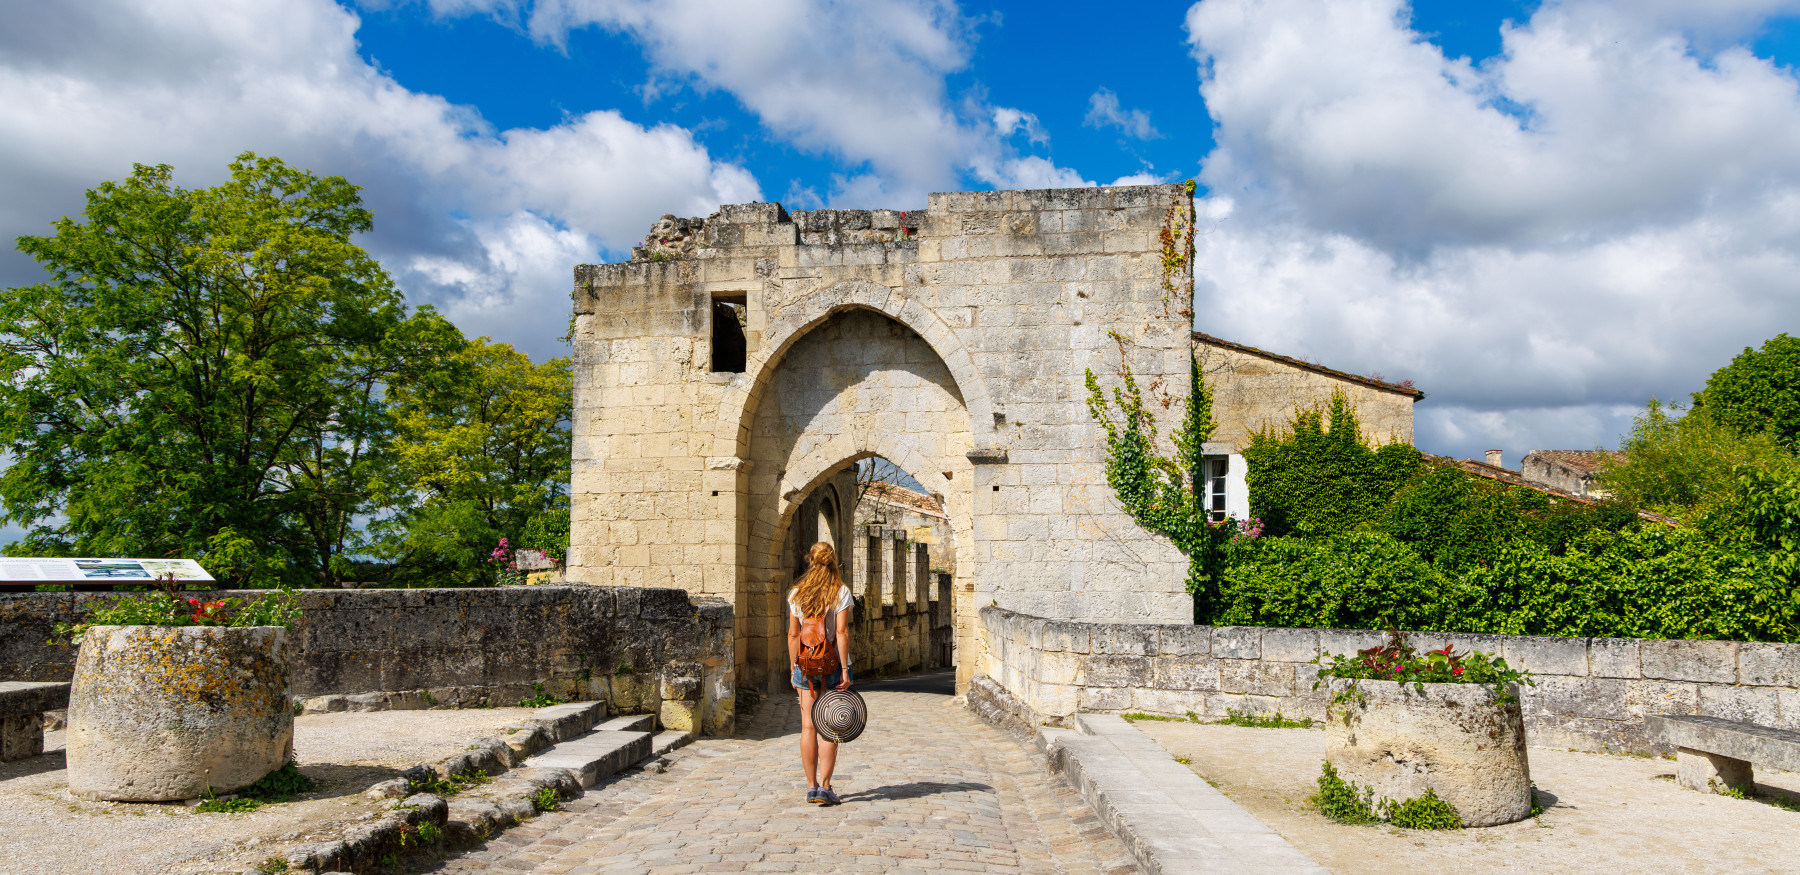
pixel 815 796
pixel 827 797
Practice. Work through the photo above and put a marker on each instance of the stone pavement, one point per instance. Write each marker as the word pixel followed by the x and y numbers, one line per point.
pixel 928 788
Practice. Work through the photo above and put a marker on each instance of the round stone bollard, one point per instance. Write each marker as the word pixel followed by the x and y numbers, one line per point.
pixel 160 713
pixel 1459 740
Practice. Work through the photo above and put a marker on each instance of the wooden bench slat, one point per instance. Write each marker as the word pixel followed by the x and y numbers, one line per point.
pixel 1761 745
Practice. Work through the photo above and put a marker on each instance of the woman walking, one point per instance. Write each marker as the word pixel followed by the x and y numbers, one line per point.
pixel 819 656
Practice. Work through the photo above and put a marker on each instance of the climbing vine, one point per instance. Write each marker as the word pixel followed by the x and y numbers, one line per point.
pixel 1164 493
pixel 1177 238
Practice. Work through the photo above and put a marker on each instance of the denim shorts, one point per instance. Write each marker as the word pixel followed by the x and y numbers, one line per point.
pixel 825 682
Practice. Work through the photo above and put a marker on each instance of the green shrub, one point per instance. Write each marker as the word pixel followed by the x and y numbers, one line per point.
pixel 1455 521
pixel 1656 582
pixel 280 785
pixel 1358 580
pixel 1423 812
pixel 1342 800
pixel 1347 802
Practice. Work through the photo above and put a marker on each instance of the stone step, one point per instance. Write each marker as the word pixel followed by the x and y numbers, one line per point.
pixel 595 755
pixel 630 723
pixel 668 740
pixel 567 721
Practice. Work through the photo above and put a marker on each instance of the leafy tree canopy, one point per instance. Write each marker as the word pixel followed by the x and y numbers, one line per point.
pixel 1685 465
pixel 481 452
pixel 1759 391
pixel 202 375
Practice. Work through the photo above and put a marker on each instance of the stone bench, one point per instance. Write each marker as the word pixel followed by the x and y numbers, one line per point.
pixel 1712 753
pixel 22 707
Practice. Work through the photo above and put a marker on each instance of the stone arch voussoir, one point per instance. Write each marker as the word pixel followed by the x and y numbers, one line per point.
pixel 738 410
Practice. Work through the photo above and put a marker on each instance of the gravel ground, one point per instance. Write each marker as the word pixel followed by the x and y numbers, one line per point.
pixel 1604 813
pixel 45 831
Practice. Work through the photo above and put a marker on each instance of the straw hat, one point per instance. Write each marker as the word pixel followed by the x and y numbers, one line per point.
pixel 840 715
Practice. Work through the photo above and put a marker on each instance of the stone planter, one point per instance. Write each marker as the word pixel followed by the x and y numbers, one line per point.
pixel 1456 739
pixel 161 713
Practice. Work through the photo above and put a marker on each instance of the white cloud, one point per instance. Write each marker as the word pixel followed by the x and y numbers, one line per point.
pixel 1141 178
pixel 1606 211
pixel 863 82
pixel 465 214
pixel 1029 172
pixel 1008 121
pixel 1104 112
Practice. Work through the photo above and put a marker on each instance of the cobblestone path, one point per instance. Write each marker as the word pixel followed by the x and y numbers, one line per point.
pixel 928 788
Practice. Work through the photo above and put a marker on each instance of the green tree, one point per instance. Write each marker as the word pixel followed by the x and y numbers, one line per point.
pixel 1759 391
pixel 201 376
pixel 1683 465
pixel 481 452
pixel 1319 477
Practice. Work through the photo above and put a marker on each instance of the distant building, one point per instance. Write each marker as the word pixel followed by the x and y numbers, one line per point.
pixel 1571 471
pixel 911 516
pixel 1255 390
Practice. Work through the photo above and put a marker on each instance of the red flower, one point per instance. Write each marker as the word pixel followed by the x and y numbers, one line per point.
pixel 1456 670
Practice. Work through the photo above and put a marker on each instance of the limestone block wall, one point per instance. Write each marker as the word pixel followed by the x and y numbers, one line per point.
pixel 1591 693
pixel 903 636
pixel 642 650
pixel 954 341
pixel 1255 390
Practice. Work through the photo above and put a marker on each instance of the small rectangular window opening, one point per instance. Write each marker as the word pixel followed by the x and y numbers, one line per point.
pixel 729 351
pixel 1213 470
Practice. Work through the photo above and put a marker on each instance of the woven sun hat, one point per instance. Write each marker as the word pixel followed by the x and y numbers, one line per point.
pixel 840 715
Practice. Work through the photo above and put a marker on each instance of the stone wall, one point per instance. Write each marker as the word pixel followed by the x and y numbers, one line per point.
pixel 1591 693
pixel 641 650
pixel 1254 390
pixel 960 337
pixel 904 635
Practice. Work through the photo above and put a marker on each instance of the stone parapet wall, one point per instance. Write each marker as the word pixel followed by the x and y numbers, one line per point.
pixel 641 650
pixel 1591 693
pixel 902 637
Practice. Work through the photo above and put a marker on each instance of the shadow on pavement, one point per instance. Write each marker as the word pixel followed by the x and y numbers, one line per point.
pixel 915 790
pixel 942 683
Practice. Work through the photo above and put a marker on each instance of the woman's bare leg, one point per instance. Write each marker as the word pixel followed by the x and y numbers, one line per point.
pixel 809 742
pixel 827 761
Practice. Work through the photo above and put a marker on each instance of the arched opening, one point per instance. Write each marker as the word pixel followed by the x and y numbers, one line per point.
pixel 859 400
pixel 897 550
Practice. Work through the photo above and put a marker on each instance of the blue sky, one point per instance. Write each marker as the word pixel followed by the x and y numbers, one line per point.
pixel 1541 213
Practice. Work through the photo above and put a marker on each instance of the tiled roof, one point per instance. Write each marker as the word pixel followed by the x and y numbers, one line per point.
pixel 1514 478
pixel 900 496
pixel 1370 382
pixel 1579 461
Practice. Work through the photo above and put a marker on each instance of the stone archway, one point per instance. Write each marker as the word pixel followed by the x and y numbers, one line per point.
pixel 855 384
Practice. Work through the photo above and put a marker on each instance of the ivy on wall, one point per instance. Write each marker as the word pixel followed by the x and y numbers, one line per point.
pixel 1319 477
pixel 1163 493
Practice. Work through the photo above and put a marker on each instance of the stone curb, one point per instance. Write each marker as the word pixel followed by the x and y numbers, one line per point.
pixel 1170 819
pixel 477 816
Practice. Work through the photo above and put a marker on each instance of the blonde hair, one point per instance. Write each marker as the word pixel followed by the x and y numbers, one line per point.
pixel 818 588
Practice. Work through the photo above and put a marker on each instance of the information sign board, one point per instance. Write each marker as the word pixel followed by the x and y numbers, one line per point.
pixel 16 570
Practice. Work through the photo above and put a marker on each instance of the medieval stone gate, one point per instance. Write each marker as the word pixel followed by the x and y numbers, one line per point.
pixel 739 365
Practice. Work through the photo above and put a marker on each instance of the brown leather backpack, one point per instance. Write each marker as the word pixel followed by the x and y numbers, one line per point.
pixel 818 658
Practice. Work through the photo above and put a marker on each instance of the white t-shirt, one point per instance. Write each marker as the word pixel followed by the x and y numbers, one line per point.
pixel 845 601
